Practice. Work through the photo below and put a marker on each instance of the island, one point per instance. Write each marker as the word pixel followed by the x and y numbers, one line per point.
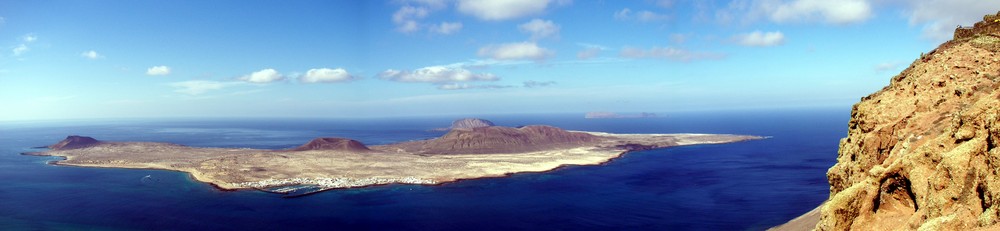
pixel 471 149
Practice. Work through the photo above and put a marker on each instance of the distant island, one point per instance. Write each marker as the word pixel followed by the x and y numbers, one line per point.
pixel 612 115
pixel 473 148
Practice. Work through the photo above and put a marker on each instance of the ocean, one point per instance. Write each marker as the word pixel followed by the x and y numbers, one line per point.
pixel 749 185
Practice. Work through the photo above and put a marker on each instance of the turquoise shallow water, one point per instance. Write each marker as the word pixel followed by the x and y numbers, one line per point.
pixel 739 186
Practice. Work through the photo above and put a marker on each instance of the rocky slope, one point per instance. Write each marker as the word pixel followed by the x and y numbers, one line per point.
pixel 921 154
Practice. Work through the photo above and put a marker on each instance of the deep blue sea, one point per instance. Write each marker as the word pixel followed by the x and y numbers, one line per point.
pixel 739 186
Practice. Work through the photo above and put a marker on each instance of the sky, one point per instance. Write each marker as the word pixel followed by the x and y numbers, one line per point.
pixel 335 59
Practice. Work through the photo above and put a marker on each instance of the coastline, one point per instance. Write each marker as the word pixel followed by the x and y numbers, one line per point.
pixel 235 169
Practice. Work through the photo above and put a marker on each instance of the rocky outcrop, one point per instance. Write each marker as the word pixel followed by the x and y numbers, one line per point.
pixel 496 139
pixel 328 143
pixel 74 142
pixel 921 154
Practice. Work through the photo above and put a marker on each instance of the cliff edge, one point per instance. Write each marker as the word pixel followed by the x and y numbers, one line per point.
pixel 921 154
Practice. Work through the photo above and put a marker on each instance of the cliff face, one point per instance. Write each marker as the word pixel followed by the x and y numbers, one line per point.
pixel 922 152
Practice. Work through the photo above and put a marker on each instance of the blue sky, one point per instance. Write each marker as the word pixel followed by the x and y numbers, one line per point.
pixel 124 59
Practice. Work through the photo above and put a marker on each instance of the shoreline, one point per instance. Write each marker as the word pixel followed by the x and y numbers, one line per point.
pixel 228 169
pixel 195 176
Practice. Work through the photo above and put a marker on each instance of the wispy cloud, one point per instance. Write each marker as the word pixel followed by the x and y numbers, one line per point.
pixel 20 49
pixel 23 48
pixel 464 86
pixel 158 70
pixel 760 39
pixel 436 74
pixel 29 38
pixel 641 16
pixel 91 54
pixel 796 11
pixel 515 51
pixel 198 87
pixel 446 28
pixel 588 53
pixel 539 29
pixel 406 18
pixel 939 17
pixel 668 53
pixel 409 18
pixel 504 9
pixel 534 84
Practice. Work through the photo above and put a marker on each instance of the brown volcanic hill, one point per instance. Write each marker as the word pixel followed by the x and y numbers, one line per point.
pixel 329 143
pixel 922 152
pixel 469 123
pixel 496 139
pixel 74 142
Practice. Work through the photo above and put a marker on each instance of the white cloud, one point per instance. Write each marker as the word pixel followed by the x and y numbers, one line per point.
pixel 838 12
pixel 761 39
pixel 158 70
pixel 29 38
pixel 670 53
pixel 436 74
pixel 20 49
pixel 446 27
pixel 939 17
pixel 197 87
pixel 495 10
pixel 406 18
pixel 263 76
pixel 642 15
pixel 91 54
pixel 794 11
pixel 326 75
pixel 540 29
pixel 515 51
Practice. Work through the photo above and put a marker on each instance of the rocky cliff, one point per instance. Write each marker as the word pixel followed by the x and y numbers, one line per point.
pixel 921 154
